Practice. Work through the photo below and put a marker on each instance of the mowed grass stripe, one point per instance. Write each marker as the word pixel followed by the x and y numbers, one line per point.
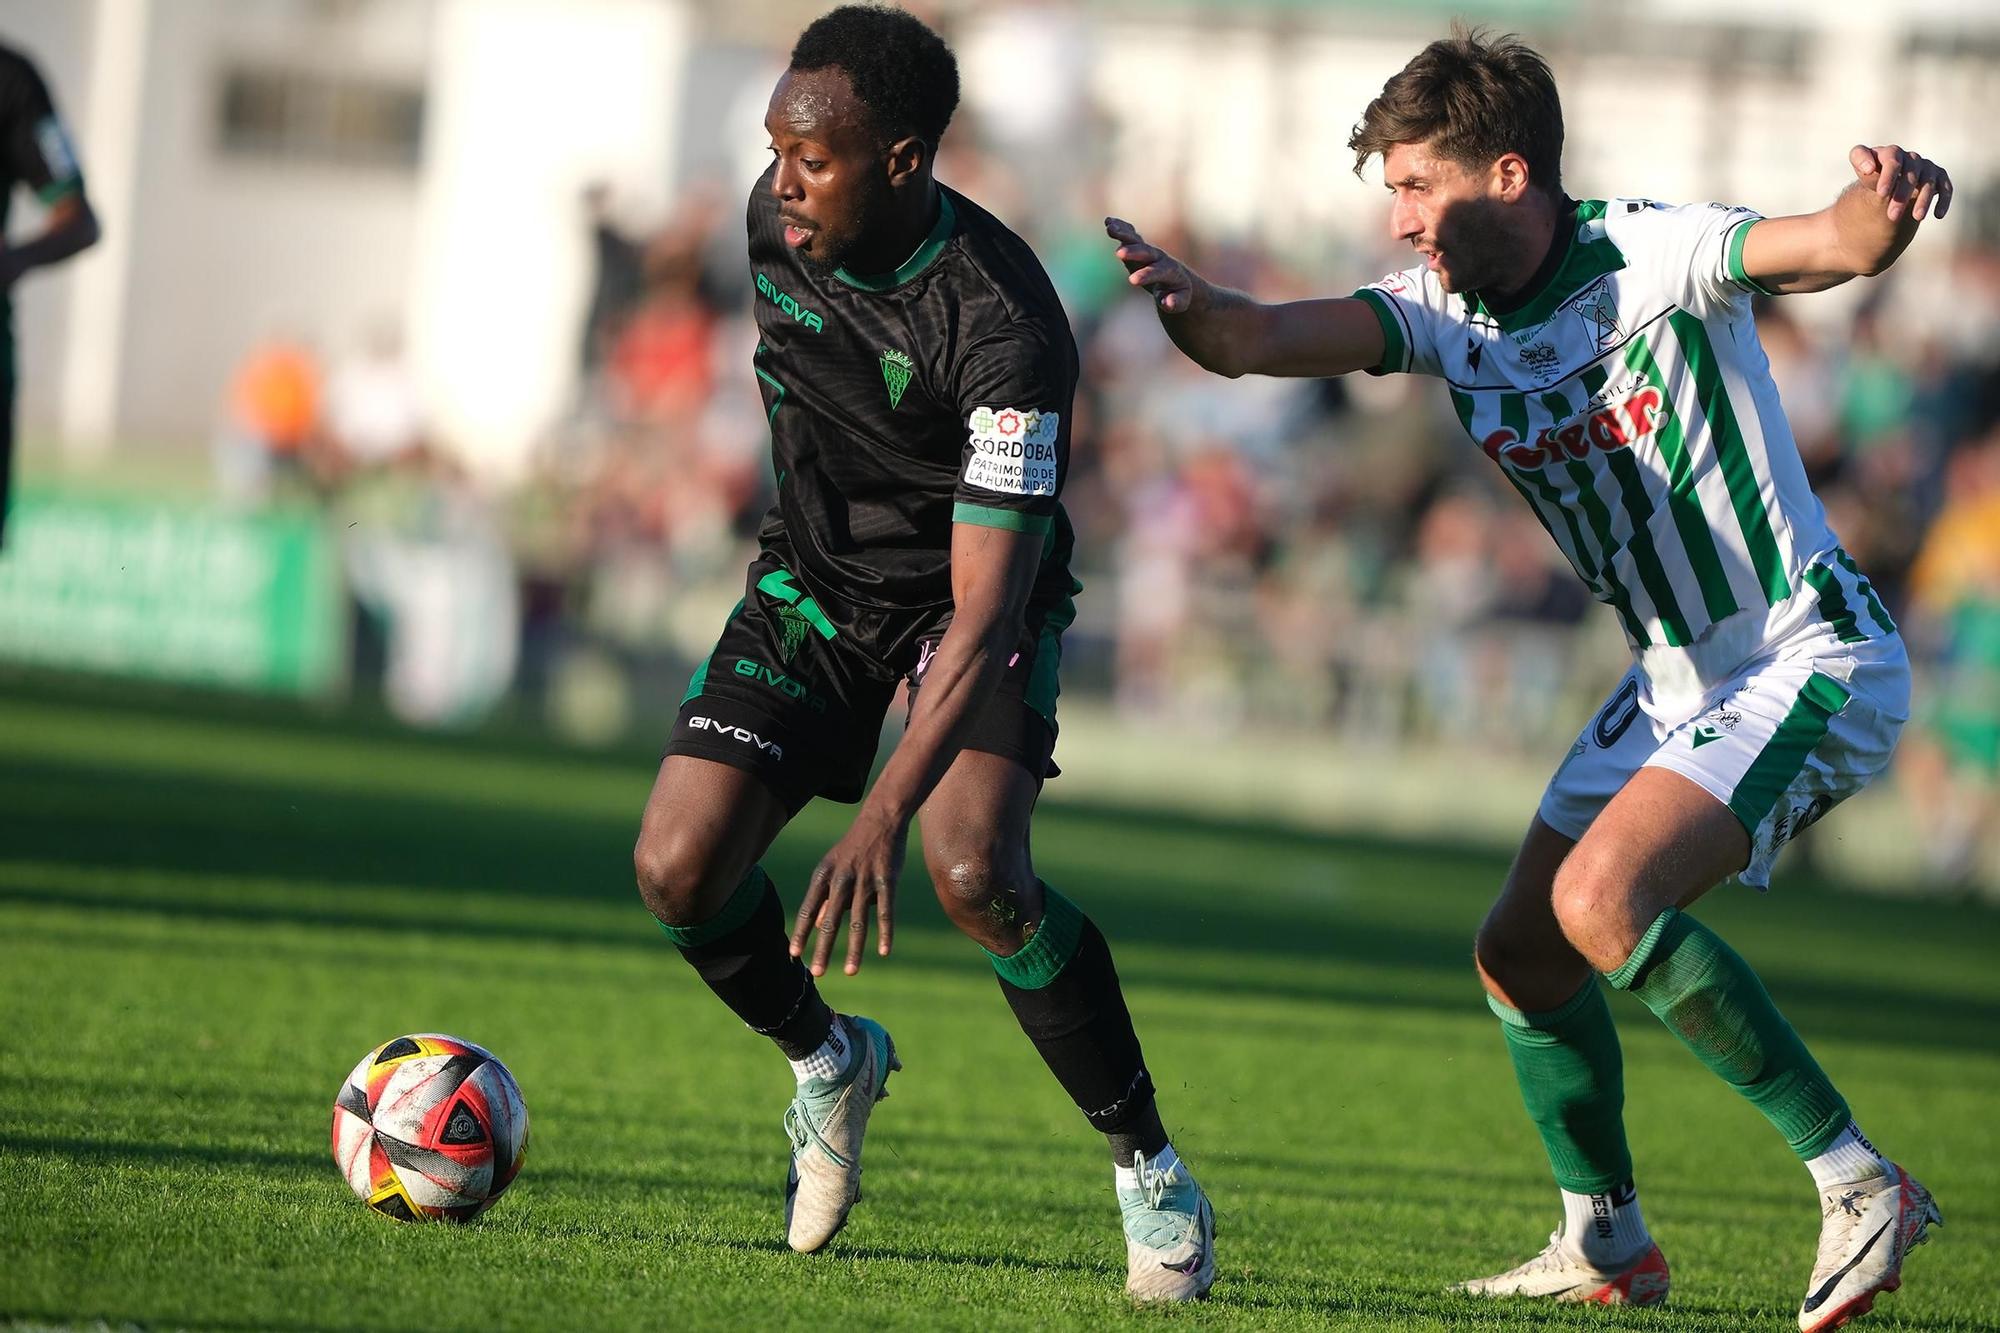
pixel 185 990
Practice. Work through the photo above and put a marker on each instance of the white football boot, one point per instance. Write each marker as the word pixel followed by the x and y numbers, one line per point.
pixel 1559 1273
pixel 1169 1235
pixel 826 1121
pixel 1866 1228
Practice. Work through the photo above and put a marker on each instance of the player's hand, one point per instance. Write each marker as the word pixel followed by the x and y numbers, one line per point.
pixel 1911 183
pixel 861 869
pixel 1171 282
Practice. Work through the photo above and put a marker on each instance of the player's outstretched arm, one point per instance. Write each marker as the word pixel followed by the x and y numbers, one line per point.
pixel 1233 334
pixel 71 227
pixel 1857 235
pixel 992 574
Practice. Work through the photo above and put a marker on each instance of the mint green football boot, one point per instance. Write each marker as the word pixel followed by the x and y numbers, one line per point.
pixel 1169 1235
pixel 826 1121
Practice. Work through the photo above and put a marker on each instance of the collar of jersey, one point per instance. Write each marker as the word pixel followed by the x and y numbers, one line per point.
pixel 1582 260
pixel 926 254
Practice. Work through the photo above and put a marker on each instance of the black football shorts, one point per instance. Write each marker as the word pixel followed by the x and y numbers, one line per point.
pixel 788 697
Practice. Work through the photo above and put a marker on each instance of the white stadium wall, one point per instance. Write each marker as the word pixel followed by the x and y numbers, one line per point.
pixel 530 100
pixel 478 246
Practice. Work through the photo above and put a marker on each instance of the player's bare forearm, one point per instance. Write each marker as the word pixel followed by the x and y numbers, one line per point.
pixel 1860 234
pixel 993 572
pixel 72 227
pixel 1218 328
pixel 1231 333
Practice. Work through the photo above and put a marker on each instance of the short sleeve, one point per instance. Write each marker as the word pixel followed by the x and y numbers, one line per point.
pixel 1014 392
pixel 1702 246
pixel 34 147
pixel 1401 306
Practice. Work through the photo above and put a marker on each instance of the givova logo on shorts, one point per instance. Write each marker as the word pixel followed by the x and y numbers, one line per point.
pixel 744 734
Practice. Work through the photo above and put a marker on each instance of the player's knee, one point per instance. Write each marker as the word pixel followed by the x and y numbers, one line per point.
pixel 1591 890
pixel 971 881
pixel 676 877
pixel 967 884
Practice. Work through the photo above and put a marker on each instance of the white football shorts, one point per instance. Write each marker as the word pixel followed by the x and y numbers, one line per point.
pixel 1798 729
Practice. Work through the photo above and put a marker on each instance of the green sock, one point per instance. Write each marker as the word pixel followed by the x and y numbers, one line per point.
pixel 1572 1080
pixel 1704 991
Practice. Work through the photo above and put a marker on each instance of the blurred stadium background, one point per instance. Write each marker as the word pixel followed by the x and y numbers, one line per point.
pixel 413 373
pixel 392 459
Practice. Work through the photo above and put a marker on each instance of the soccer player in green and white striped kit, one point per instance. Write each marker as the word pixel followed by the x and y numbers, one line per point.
pixel 1603 355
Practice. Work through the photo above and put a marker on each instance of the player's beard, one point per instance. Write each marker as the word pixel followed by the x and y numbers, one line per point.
pixel 1478 245
pixel 835 243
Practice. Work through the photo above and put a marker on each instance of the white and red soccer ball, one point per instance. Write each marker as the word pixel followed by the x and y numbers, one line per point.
pixel 429 1128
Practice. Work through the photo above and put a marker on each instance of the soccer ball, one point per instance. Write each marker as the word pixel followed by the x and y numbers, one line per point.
pixel 429 1128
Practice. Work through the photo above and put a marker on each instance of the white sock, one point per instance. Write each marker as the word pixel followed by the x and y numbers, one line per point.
pixel 1128 1176
pixel 829 1061
pixel 1851 1157
pixel 1606 1229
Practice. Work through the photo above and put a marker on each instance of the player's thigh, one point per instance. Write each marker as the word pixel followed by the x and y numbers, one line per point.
pixel 706 823
pixel 1793 736
pixel 777 714
pixel 786 696
pixel 1523 958
pixel 975 839
pixel 1662 841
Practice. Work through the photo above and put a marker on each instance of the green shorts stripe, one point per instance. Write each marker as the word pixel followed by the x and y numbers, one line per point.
pixel 699 681
pixel 1044 680
pixel 1784 757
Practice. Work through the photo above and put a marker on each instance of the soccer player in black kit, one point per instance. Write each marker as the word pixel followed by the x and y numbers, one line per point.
pixel 35 152
pixel 918 371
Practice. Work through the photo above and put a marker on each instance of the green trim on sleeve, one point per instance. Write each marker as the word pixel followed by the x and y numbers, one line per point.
pixel 56 191
pixel 1395 353
pixel 1012 520
pixel 1733 266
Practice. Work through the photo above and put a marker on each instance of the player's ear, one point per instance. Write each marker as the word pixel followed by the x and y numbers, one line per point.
pixel 906 158
pixel 1510 177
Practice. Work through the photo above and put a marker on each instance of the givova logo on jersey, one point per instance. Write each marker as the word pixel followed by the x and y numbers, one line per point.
pixel 787 303
pixel 1013 450
pixel 1617 424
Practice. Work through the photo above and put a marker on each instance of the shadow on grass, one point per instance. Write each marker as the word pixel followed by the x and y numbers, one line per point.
pixel 1331 947
pixel 926 1256
pixel 141 1152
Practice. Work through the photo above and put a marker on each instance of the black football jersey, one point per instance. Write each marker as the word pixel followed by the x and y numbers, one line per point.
pixel 903 403
pixel 34 150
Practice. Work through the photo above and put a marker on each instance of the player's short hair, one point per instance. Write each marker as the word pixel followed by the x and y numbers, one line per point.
pixel 900 70
pixel 1472 97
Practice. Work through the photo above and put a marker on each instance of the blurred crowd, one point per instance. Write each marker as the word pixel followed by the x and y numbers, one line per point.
pixel 1322 554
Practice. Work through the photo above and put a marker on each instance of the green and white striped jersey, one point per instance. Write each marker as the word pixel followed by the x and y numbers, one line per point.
pixel 1630 403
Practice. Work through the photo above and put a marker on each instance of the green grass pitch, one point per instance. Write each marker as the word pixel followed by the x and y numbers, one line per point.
pixel 207 916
